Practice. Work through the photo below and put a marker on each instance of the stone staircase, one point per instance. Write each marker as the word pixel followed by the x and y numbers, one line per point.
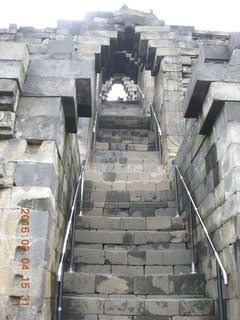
pixel 132 257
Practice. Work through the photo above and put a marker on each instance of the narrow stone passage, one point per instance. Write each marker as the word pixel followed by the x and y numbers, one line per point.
pixel 132 258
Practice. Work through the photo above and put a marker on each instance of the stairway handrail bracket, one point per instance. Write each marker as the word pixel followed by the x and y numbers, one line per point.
pixel 221 272
pixel 69 234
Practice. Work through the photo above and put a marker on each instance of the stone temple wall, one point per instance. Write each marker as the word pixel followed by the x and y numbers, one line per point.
pixel 40 163
pixel 169 53
pixel 209 159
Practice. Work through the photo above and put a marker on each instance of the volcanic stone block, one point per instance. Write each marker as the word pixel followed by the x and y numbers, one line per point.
pixel 124 307
pixel 162 307
pixel 84 98
pixel 127 270
pixel 190 307
pixel 60 46
pixel 49 86
pixel 79 283
pixel 114 284
pixel 36 174
pixel 83 305
pixel 218 93
pixel 187 284
pixel 13 70
pixel 33 198
pixel 39 106
pixel 7 120
pixel 38 128
pixel 109 237
pixel 8 94
pixel 145 237
pixel 234 42
pixel 151 285
pixel 14 51
pixel 136 257
pixel 86 256
pixel 199 83
pixel 116 257
pixel 70 113
pixel 213 53
pixel 72 69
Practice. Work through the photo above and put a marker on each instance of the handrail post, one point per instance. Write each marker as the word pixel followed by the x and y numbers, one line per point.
pixel 193 265
pixel 59 298
pixel 221 315
pixel 72 241
pixel 176 190
pixel 81 199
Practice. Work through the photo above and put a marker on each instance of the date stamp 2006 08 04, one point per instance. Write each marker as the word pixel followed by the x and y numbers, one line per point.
pixel 25 260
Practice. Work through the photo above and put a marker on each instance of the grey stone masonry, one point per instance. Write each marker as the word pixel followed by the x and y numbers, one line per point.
pixel 209 161
pixel 131 256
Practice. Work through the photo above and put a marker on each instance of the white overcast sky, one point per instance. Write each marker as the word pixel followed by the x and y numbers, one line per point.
pixel 215 15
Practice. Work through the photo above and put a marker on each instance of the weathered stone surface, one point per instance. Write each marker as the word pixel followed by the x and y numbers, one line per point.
pixel 79 283
pixel 151 285
pixel 114 284
pixel 162 307
pixel 13 70
pixel 60 46
pixel 15 52
pixel 9 92
pixel 49 86
pixel 124 307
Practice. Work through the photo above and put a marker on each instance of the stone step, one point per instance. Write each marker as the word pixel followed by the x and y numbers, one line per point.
pixel 128 142
pixel 187 285
pixel 126 160
pixel 125 133
pixel 150 223
pixel 130 237
pixel 128 196
pixel 128 154
pixel 133 270
pixel 119 176
pixel 125 146
pixel 122 104
pixel 113 111
pixel 132 257
pixel 127 168
pixel 129 209
pixel 124 122
pixel 134 306
pixel 133 185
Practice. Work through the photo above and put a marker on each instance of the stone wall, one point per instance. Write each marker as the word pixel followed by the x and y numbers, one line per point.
pixel 209 159
pixel 169 54
pixel 40 163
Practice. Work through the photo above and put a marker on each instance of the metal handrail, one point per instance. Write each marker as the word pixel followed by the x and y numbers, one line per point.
pixel 155 126
pixel 70 231
pixel 140 90
pixel 221 272
pixel 95 127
